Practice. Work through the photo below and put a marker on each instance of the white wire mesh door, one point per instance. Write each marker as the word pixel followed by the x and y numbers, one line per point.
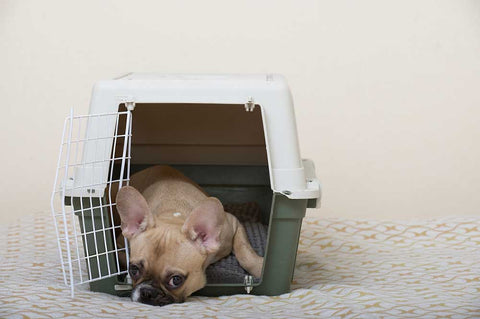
pixel 94 162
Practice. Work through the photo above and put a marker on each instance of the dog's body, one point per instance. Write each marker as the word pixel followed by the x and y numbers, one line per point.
pixel 175 231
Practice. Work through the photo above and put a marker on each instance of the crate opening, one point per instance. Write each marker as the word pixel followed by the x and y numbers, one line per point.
pixel 222 148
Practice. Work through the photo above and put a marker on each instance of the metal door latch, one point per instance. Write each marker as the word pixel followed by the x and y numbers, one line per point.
pixel 248 282
pixel 250 105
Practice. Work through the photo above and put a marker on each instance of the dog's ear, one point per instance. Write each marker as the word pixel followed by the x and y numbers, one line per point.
pixel 133 210
pixel 204 225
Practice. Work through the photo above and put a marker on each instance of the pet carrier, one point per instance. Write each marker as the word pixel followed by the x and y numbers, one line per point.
pixel 234 135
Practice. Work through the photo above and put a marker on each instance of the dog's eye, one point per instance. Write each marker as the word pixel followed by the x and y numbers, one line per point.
pixel 134 271
pixel 175 281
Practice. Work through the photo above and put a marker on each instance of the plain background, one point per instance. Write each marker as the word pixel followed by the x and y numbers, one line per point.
pixel 387 92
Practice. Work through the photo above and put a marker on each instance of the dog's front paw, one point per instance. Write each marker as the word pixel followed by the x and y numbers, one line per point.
pixel 256 267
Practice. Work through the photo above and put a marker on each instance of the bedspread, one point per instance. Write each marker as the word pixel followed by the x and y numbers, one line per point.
pixel 344 269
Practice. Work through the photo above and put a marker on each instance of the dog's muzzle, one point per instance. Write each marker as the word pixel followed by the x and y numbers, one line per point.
pixel 146 293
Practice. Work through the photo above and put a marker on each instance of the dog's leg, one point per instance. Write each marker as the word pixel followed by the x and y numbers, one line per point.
pixel 246 256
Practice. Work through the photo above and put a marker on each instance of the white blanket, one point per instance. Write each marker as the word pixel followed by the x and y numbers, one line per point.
pixel 345 269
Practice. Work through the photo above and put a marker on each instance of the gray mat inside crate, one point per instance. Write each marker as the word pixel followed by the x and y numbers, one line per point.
pixel 228 270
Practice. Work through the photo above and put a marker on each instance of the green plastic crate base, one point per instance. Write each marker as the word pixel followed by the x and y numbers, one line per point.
pixel 231 184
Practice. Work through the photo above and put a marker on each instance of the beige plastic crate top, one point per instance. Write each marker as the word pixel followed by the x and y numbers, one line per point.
pixel 181 108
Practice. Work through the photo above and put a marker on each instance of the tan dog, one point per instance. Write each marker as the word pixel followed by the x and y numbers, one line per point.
pixel 175 231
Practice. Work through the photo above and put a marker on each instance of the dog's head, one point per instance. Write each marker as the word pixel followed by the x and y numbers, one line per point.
pixel 168 255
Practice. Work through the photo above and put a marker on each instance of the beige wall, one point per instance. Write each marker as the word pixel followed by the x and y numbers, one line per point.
pixel 387 92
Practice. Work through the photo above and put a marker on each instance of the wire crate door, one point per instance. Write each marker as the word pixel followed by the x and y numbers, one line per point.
pixel 94 162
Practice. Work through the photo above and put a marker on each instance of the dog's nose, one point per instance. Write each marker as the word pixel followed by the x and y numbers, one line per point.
pixel 152 295
pixel 149 293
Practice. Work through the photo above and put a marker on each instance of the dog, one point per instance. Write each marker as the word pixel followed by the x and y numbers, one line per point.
pixel 175 230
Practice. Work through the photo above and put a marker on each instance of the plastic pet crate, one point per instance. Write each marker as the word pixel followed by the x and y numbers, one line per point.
pixel 234 135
